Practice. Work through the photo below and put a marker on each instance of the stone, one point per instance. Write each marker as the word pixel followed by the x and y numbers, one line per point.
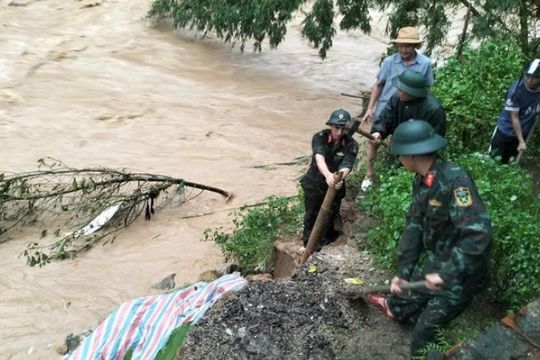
pixel 166 284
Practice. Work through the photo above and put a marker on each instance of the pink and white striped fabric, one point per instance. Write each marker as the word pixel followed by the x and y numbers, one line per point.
pixel 145 324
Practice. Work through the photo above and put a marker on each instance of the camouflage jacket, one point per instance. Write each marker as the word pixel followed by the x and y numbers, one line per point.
pixel 448 222
pixel 337 157
pixel 396 112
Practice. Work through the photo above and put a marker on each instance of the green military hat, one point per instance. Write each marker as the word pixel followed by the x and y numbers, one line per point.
pixel 416 137
pixel 411 82
pixel 339 117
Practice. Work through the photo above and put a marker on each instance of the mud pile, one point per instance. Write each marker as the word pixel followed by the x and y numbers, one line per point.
pixel 308 316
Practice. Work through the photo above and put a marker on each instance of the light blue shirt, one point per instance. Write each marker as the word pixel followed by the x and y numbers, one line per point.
pixel 392 66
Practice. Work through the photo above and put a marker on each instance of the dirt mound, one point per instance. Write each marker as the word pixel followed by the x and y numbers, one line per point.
pixel 306 316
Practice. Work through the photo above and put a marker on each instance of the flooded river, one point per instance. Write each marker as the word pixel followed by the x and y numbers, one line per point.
pixel 99 86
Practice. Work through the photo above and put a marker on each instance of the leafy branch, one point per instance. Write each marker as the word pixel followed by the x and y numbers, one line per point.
pixel 96 202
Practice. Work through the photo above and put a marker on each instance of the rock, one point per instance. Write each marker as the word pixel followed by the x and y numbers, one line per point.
pixel 209 276
pixel 61 349
pixel 165 284
pixel 72 341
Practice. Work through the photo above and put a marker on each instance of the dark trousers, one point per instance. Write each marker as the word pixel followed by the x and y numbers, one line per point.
pixel 430 310
pixel 313 199
pixel 504 146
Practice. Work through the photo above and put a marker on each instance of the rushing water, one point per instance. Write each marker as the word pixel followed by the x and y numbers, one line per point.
pixel 99 86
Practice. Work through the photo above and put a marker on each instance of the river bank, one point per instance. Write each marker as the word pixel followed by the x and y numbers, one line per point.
pixel 92 83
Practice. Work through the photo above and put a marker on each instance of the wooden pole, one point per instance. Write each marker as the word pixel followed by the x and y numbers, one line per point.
pixel 357 294
pixel 354 126
pixel 529 135
pixel 351 95
pixel 322 218
pixel 369 136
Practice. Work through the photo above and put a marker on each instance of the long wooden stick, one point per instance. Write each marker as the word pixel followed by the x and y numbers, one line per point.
pixel 415 285
pixel 381 289
pixel 322 218
pixel 370 137
pixel 351 95
pixel 364 94
pixel 529 135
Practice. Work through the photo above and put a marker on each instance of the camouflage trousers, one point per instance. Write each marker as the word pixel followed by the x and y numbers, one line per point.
pixel 313 199
pixel 430 310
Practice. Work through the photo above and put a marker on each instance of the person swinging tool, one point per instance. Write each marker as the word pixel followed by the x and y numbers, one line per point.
pixel 333 150
pixel 518 117
pixel 447 223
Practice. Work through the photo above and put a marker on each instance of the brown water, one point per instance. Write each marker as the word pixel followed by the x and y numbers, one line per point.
pixel 99 86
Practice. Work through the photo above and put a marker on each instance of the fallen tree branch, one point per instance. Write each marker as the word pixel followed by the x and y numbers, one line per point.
pixel 96 202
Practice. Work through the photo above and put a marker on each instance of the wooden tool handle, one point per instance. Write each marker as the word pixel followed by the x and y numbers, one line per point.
pixel 528 139
pixel 364 133
pixel 369 136
pixel 322 218
pixel 416 285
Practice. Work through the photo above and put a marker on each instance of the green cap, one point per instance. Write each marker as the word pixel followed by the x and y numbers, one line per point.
pixel 411 82
pixel 416 137
pixel 339 117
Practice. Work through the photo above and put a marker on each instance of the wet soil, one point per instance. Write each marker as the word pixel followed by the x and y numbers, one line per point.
pixel 309 315
pixel 306 316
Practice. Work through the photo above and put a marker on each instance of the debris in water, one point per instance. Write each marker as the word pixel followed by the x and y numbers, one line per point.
pixel 165 284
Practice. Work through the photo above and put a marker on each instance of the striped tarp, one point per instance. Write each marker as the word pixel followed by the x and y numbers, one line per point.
pixel 144 324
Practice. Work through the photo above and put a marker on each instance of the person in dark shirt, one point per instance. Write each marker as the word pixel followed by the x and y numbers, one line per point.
pixel 333 151
pixel 412 101
pixel 446 240
pixel 518 116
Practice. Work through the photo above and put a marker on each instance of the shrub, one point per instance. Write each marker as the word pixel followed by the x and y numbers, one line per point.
pixel 473 91
pixel 508 194
pixel 256 229
pixel 388 202
pixel 507 191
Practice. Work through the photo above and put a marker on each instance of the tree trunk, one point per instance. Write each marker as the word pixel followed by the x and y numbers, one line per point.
pixel 524 27
pixel 463 36
pixel 470 7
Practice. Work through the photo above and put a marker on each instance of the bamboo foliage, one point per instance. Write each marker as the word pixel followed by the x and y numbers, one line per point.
pixel 81 207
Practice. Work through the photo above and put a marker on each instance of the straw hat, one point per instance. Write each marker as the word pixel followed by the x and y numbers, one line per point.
pixel 407 35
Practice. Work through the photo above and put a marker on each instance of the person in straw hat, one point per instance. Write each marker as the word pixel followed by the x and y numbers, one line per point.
pixel 407 57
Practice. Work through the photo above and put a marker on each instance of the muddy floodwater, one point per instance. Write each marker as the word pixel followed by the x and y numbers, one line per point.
pixel 93 83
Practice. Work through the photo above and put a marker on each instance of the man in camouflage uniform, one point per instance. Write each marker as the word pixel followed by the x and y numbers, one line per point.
pixel 333 151
pixel 447 222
